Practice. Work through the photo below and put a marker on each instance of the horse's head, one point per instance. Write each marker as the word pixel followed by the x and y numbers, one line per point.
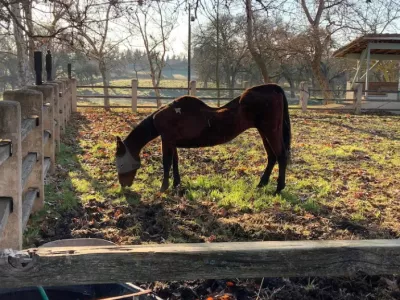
pixel 127 165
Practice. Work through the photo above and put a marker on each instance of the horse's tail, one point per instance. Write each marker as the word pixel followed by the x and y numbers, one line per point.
pixel 286 128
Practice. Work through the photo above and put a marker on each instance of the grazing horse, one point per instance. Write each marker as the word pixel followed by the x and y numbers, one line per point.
pixel 188 122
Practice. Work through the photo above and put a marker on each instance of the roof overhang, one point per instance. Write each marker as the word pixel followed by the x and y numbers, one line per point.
pixel 382 47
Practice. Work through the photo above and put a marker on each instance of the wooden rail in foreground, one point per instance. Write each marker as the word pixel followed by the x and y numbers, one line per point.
pixel 110 264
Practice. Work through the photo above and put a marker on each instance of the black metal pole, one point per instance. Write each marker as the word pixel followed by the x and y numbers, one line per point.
pixel 37 57
pixel 69 71
pixel 189 46
pixel 49 65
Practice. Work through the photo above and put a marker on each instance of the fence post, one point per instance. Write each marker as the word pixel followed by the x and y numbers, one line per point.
pixel 61 106
pixel 134 85
pixel 304 96
pixel 38 66
pixel 193 88
pixel 245 84
pixel 358 99
pixel 74 104
pixel 56 114
pixel 11 173
pixel 31 103
pixel 49 66
pixel 49 148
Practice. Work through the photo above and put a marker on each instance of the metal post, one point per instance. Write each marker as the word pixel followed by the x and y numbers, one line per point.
pixel 217 64
pixel 70 71
pixel 37 57
pixel 49 66
pixel 189 48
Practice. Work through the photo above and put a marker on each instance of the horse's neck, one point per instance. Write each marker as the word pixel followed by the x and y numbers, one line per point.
pixel 141 135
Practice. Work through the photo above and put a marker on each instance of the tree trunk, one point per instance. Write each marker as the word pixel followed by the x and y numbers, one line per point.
pixel 20 42
pixel 106 83
pixel 258 59
pixel 292 88
pixel 232 86
pixel 322 80
pixel 27 6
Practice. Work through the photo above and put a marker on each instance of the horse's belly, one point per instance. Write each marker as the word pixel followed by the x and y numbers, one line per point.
pixel 206 140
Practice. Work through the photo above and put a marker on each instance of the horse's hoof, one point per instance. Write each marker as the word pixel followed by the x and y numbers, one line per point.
pixel 163 189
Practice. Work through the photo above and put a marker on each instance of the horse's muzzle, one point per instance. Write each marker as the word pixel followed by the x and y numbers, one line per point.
pixel 126 179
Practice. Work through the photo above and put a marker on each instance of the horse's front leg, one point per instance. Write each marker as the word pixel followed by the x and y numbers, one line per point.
pixel 175 169
pixel 168 152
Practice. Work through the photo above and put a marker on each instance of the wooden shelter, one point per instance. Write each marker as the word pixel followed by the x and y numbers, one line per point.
pixel 367 48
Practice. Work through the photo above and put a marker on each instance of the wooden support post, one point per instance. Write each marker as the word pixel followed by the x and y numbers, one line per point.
pixel 31 102
pixel 61 106
pixel 48 122
pixel 74 104
pixel 56 115
pixel 134 100
pixel 193 88
pixel 358 99
pixel 304 96
pixel 67 97
pixel 11 173
pixel 169 262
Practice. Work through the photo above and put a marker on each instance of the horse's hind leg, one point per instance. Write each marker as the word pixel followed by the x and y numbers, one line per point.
pixel 275 143
pixel 168 153
pixel 175 169
pixel 271 162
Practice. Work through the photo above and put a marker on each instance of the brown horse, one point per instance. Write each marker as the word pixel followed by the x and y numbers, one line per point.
pixel 189 123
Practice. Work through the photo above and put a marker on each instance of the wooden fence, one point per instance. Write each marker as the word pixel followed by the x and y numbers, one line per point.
pixel 31 122
pixel 54 266
pixel 306 99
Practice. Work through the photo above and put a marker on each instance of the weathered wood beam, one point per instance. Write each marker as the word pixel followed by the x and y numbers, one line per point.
pixel 385 46
pixel 26 126
pixel 27 166
pixel 47 165
pixel 89 265
pixel 5 151
pixel 5 211
pixel 375 56
pixel 46 136
pixel 27 203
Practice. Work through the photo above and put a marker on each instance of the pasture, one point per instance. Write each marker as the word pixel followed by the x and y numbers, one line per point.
pixel 344 183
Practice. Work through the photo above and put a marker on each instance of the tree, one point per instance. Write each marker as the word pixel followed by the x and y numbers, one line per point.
pixel 92 20
pixel 161 17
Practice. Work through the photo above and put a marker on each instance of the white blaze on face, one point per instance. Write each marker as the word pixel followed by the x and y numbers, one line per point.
pixel 126 163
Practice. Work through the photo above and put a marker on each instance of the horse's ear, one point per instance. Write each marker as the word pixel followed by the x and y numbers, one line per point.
pixel 120 147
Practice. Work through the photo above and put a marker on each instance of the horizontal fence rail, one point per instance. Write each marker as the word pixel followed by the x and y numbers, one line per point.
pixel 56 266
pixel 31 121
pixel 347 99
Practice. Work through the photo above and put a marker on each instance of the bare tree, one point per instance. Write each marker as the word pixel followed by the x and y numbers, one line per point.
pixel 155 22
pixel 257 56
pixel 92 21
pixel 327 17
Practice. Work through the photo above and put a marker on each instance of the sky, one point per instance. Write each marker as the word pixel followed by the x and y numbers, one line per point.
pixel 179 37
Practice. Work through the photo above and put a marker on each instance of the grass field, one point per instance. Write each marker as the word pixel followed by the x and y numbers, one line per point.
pixel 344 183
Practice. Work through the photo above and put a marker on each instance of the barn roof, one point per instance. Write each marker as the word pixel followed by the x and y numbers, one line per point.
pixel 361 43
